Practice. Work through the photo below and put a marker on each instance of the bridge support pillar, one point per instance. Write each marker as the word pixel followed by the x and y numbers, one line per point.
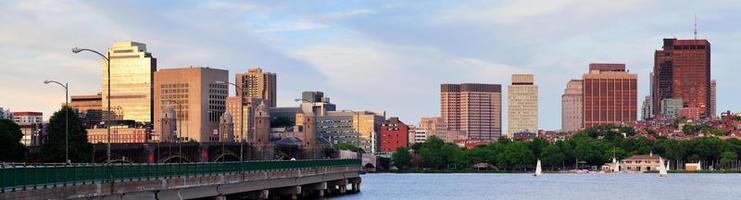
pixel 319 188
pixel 264 194
pixel 220 197
pixel 294 192
pixel 355 184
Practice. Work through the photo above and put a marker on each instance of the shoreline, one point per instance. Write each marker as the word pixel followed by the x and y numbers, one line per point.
pixel 548 172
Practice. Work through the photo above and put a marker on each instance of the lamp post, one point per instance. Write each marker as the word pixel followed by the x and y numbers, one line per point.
pixel 241 116
pixel 108 95
pixel 66 117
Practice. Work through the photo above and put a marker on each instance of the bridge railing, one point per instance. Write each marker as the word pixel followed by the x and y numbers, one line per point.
pixel 15 176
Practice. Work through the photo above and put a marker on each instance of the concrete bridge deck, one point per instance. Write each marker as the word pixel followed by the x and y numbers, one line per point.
pixel 228 180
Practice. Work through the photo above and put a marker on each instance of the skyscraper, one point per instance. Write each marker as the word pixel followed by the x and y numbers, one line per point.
pixel 571 106
pixel 610 95
pixel 522 105
pixel 474 108
pixel 132 69
pixel 682 71
pixel 713 97
pixel 198 100
pixel 258 84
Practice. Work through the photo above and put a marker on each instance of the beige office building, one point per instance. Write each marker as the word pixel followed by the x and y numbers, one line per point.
pixel 198 100
pixel 473 108
pixel 83 103
pixel 522 107
pixel 132 69
pixel 258 84
pixel 571 106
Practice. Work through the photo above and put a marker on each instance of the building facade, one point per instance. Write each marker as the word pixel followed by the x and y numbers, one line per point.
pixel 32 127
pixel 394 134
pixel 682 71
pixel 198 99
pixel 522 105
pixel 610 95
pixel 354 127
pixel 646 109
pixel 89 108
pixel 641 163
pixel 473 108
pixel 571 106
pixel 713 98
pixel 315 102
pixel 670 108
pixel 258 84
pixel 119 134
pixel 132 69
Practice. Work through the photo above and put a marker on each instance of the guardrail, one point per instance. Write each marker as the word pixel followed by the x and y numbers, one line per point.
pixel 17 176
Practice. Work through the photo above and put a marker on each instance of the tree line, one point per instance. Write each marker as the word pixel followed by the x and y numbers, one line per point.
pixel 591 147
pixel 54 141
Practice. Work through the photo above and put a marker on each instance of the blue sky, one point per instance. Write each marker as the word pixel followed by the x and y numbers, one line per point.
pixel 365 55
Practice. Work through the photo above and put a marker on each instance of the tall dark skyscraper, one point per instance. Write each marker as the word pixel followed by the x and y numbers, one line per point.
pixel 682 71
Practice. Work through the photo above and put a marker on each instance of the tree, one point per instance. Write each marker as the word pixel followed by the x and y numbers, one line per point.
pixel 552 156
pixel 727 158
pixel 10 142
pixel 53 148
pixel 350 147
pixel 516 155
pixel 537 145
pixel 402 158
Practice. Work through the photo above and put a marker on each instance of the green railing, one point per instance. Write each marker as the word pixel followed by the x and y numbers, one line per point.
pixel 15 176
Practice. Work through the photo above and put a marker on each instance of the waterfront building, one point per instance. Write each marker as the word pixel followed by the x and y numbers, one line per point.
pixel 132 69
pixel 610 95
pixel 417 135
pixel 394 134
pixel 571 106
pixel 682 71
pixel 436 126
pixel 522 104
pixel 641 163
pixel 360 128
pixel 198 99
pixel 32 127
pixel 475 109
pixel 258 84
pixel 670 108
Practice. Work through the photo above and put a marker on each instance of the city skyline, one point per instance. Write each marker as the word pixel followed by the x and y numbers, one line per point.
pixel 298 43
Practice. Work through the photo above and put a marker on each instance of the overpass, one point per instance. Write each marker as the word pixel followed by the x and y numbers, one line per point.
pixel 223 180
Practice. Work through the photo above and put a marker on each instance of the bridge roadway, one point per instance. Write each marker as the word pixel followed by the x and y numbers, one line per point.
pixel 225 180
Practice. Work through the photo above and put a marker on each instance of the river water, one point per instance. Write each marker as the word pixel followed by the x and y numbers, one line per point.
pixel 550 186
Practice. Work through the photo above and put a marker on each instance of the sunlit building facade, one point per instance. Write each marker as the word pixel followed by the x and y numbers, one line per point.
pixel 571 106
pixel 132 69
pixel 610 95
pixel 522 105
pixel 258 84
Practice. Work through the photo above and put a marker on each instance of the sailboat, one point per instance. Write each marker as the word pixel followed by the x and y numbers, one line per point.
pixel 615 165
pixel 662 168
pixel 538 170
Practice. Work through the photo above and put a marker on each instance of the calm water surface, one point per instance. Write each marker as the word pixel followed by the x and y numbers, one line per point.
pixel 549 186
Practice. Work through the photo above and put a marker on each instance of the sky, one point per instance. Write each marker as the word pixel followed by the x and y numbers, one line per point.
pixel 365 55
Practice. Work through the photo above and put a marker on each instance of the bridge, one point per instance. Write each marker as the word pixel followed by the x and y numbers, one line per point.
pixel 292 179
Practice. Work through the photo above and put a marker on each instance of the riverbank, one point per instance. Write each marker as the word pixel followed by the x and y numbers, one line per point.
pixel 449 171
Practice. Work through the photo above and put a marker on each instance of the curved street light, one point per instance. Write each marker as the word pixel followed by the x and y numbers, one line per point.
pixel 108 95
pixel 66 117
pixel 241 116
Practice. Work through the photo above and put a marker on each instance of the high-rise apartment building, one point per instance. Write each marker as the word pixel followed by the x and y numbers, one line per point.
pixel 572 106
pixel 713 98
pixel 610 95
pixel 244 119
pixel 682 71
pixel 360 128
pixel 315 102
pixel 474 108
pixel 132 69
pixel 522 109
pixel 394 134
pixel 258 84
pixel 198 99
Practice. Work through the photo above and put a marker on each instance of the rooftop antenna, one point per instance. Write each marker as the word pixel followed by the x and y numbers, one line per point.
pixel 695 27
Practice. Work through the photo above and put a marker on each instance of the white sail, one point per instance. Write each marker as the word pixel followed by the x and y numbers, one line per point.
pixel 615 165
pixel 538 170
pixel 662 168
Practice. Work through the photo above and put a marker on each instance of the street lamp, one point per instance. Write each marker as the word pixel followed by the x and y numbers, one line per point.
pixel 66 117
pixel 241 116
pixel 108 95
